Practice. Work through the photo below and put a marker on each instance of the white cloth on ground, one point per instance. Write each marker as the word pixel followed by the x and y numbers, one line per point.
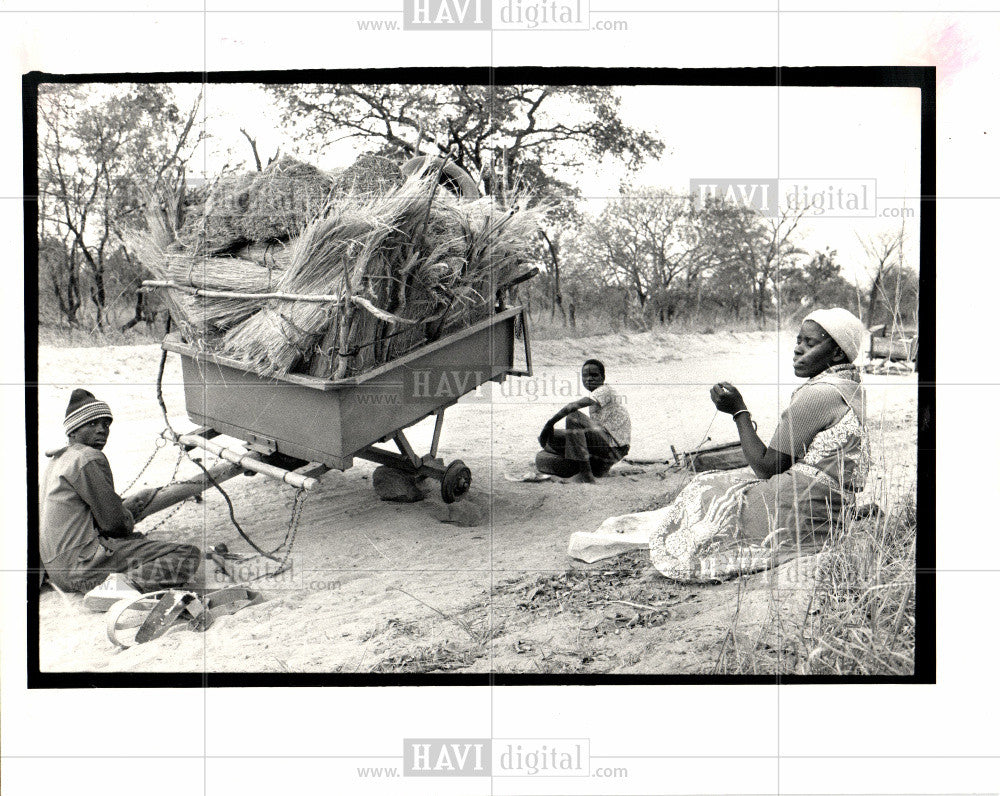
pixel 616 535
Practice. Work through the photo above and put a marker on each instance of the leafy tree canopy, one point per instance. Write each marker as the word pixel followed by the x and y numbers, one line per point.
pixel 512 132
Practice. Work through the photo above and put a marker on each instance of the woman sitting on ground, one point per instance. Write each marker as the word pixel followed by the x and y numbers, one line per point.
pixel 724 523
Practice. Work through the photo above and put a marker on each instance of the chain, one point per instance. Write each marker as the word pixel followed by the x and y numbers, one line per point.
pixel 291 531
pixel 179 506
pixel 288 542
pixel 177 466
pixel 169 514
pixel 159 445
pixel 293 523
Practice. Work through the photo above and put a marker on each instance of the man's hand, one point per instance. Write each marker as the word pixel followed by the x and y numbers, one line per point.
pixel 547 430
pixel 727 398
pixel 135 503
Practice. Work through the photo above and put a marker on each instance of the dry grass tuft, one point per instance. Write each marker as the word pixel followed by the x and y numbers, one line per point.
pixel 850 610
pixel 866 597
pixel 216 225
pixel 369 176
pixel 255 207
pixel 284 198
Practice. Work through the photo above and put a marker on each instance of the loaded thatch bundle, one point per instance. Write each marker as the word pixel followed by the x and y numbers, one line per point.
pixel 217 225
pixel 150 246
pixel 407 266
pixel 196 313
pixel 381 267
pixel 281 333
pixel 242 217
pixel 273 254
pixel 369 176
pixel 171 263
pixel 286 196
pixel 220 274
pixel 255 207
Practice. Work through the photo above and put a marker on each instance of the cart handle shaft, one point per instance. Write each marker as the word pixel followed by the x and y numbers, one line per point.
pixel 249 461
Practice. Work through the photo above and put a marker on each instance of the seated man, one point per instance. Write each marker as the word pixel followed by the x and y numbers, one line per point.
pixel 85 530
pixel 589 446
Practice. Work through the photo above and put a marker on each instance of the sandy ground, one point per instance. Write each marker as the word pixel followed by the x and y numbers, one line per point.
pixel 387 587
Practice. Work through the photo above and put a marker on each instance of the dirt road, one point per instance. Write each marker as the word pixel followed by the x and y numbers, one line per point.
pixel 379 586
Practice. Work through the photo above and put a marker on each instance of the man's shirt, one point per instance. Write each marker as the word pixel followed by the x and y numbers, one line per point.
pixel 611 413
pixel 78 504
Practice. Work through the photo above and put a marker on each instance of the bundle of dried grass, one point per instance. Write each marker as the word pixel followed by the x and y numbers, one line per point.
pixel 355 252
pixel 409 236
pixel 149 248
pixel 219 273
pixel 285 197
pixel 275 339
pixel 409 265
pixel 478 246
pixel 219 225
pixel 282 333
pixel 273 254
pixel 252 207
pixel 370 176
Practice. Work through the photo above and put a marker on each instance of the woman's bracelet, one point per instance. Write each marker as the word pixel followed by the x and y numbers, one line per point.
pixel 737 414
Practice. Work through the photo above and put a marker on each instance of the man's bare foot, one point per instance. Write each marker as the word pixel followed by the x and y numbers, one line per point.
pixel 583 478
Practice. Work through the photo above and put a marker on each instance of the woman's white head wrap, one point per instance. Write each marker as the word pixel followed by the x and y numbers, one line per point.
pixel 843 326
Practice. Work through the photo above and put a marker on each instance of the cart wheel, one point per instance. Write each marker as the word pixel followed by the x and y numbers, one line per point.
pixel 456 482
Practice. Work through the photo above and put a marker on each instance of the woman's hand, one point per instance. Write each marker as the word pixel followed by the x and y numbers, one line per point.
pixel 727 398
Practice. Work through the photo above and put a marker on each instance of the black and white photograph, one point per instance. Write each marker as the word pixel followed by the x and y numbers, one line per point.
pixel 486 399
pixel 464 339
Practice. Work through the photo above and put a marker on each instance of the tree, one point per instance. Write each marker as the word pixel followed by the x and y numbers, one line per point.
pixel 816 282
pixel 899 295
pixel 99 150
pixel 670 251
pixel 749 248
pixel 560 223
pixel 587 283
pixel 883 250
pixel 509 136
pixel 256 155
pixel 488 130
pixel 646 239
pixel 58 280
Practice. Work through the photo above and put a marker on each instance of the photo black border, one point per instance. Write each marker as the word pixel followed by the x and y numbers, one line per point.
pixel 922 78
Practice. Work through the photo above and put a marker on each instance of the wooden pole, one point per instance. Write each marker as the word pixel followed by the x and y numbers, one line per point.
pixel 171 494
pixel 346 322
pixel 232 294
pixel 248 461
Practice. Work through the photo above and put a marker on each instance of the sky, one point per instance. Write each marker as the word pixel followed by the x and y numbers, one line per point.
pixel 815 137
